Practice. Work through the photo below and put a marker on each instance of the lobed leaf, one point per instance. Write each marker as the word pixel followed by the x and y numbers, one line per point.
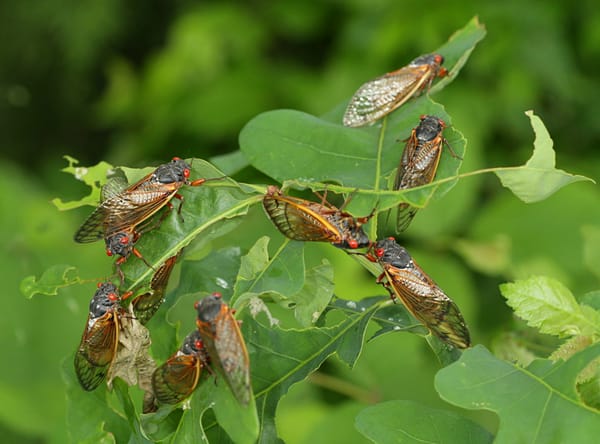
pixel 549 306
pixel 56 277
pixel 536 404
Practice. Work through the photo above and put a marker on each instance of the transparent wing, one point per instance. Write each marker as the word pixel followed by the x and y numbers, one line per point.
pixel 418 166
pixel 96 351
pixel 429 304
pixel 381 96
pixel 176 379
pixel 298 220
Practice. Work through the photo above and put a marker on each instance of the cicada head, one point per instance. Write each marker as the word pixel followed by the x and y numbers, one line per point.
pixel 178 170
pixel 209 307
pixel 429 128
pixel 389 252
pixel 120 244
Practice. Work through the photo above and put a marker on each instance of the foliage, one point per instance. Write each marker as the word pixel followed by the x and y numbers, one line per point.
pixel 83 81
pixel 286 350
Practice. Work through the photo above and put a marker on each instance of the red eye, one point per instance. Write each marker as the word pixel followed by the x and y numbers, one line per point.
pixel 422 116
pixel 99 284
pixel 186 173
pixel 108 253
pixel 353 243
pixel 438 58
pixel 391 238
pixel 112 297
pixel 196 305
pixel 125 240
pixel 379 252
pixel 217 294
pixel 198 344
pixel 176 158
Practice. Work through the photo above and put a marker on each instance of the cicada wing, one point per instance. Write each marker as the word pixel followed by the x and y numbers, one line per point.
pixel 418 167
pixel 130 209
pixel 92 228
pixel 381 96
pixel 176 379
pixel 96 350
pixel 147 304
pixel 298 220
pixel 429 304
pixel 233 357
pixel 113 187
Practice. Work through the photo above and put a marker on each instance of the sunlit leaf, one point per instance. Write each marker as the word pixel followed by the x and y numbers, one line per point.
pixel 411 422
pixel 536 404
pixel 538 178
pixel 547 304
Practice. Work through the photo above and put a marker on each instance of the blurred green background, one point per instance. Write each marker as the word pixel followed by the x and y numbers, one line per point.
pixel 136 83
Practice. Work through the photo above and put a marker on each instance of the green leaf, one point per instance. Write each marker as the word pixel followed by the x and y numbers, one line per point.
pixel 94 177
pixel 281 358
pixel 360 161
pixel 410 422
pixel 457 50
pixel 548 305
pixel 122 391
pixel 54 278
pixel 537 404
pixel 314 296
pixel 538 178
pixel 283 272
pixel 90 419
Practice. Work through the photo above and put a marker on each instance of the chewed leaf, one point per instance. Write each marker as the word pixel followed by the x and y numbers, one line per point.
pixel 537 404
pixel 54 278
pixel 548 305
pixel 94 177
pixel 538 178
pixel 387 421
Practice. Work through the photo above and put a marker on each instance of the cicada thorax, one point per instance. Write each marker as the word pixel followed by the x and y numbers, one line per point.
pixel 419 163
pixel 147 304
pixel 224 343
pixel 303 220
pixel 100 338
pixel 405 280
pixel 178 377
pixel 379 97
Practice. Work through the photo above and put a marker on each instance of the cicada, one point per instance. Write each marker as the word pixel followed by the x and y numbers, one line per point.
pixel 419 162
pixel 122 210
pixel 405 280
pixel 304 220
pixel 98 345
pixel 178 377
pixel 146 305
pixel 222 338
pixel 379 97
